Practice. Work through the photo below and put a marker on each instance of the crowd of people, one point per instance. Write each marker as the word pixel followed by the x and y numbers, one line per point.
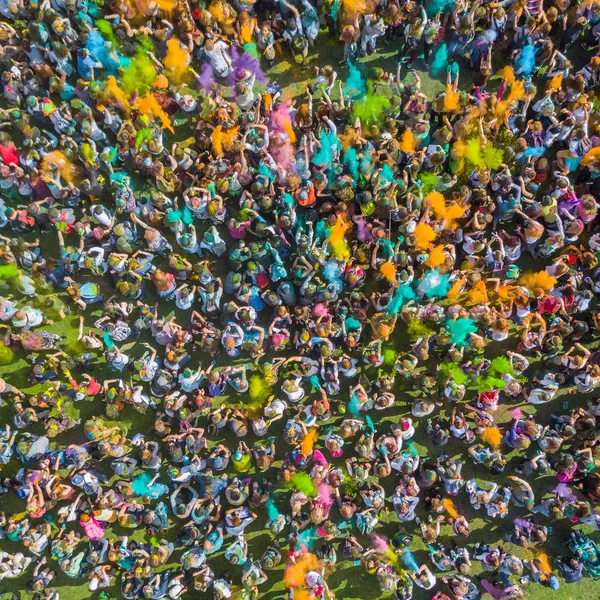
pixel 333 309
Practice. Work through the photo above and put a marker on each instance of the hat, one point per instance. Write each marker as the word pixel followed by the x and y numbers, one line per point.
pixel 422 408
pixel 20 319
pixel 242 74
pixel 512 272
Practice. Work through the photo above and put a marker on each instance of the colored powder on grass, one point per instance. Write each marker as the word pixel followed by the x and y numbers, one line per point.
pixel 337 240
pixel 473 153
pixel 294 575
pixel 503 292
pixel 371 108
pixel 88 153
pixel 407 142
pixel 402 294
pixel 429 181
pixel 454 372
pixel 356 82
pixel 328 145
pixel 314 382
pixel 517 91
pixel 436 257
pixel 508 74
pixel 7 356
pixel 302 595
pixel 355 405
pixel 244 61
pixel 176 61
pixel 537 281
pixel 206 78
pixel 449 214
pixel 148 105
pixel 563 491
pixel 351 163
pixel 325 495
pixel 440 60
pixel 501 366
pixel 409 560
pixel 105 28
pixel 308 443
pixel 258 389
pixel 102 52
pixel 437 7
pixel 533 152
pixel 456 288
pixel 347 139
pixel 281 120
pixel 388 270
pixel 544 563
pixel 303 483
pixel 460 329
pixel 140 74
pixel 58 160
pixel 9 271
pixel 251 48
pixel 228 137
pixel 366 164
pixel 556 82
pixel 272 511
pixel 434 284
pixel 380 543
pixel 526 61
pixel 493 157
pixel 307 538
pixel 363 233
pixel 74 347
pixel 478 294
pixel 283 154
pixel 332 272
pixel 389 356
pixel 492 436
pixel 451 99
pixel 112 91
pixel 386 175
pixel 424 236
pixel 217 140
pixel 438 204
pixel 418 329
pixel 450 509
pixel 487 383
pixel 141 136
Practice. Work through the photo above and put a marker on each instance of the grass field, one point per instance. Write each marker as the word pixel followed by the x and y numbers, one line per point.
pixel 348 581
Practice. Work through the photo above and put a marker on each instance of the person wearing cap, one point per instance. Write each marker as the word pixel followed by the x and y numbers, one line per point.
pixel 244 89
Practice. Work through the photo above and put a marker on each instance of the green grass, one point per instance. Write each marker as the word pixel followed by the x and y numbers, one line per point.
pixel 348 581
